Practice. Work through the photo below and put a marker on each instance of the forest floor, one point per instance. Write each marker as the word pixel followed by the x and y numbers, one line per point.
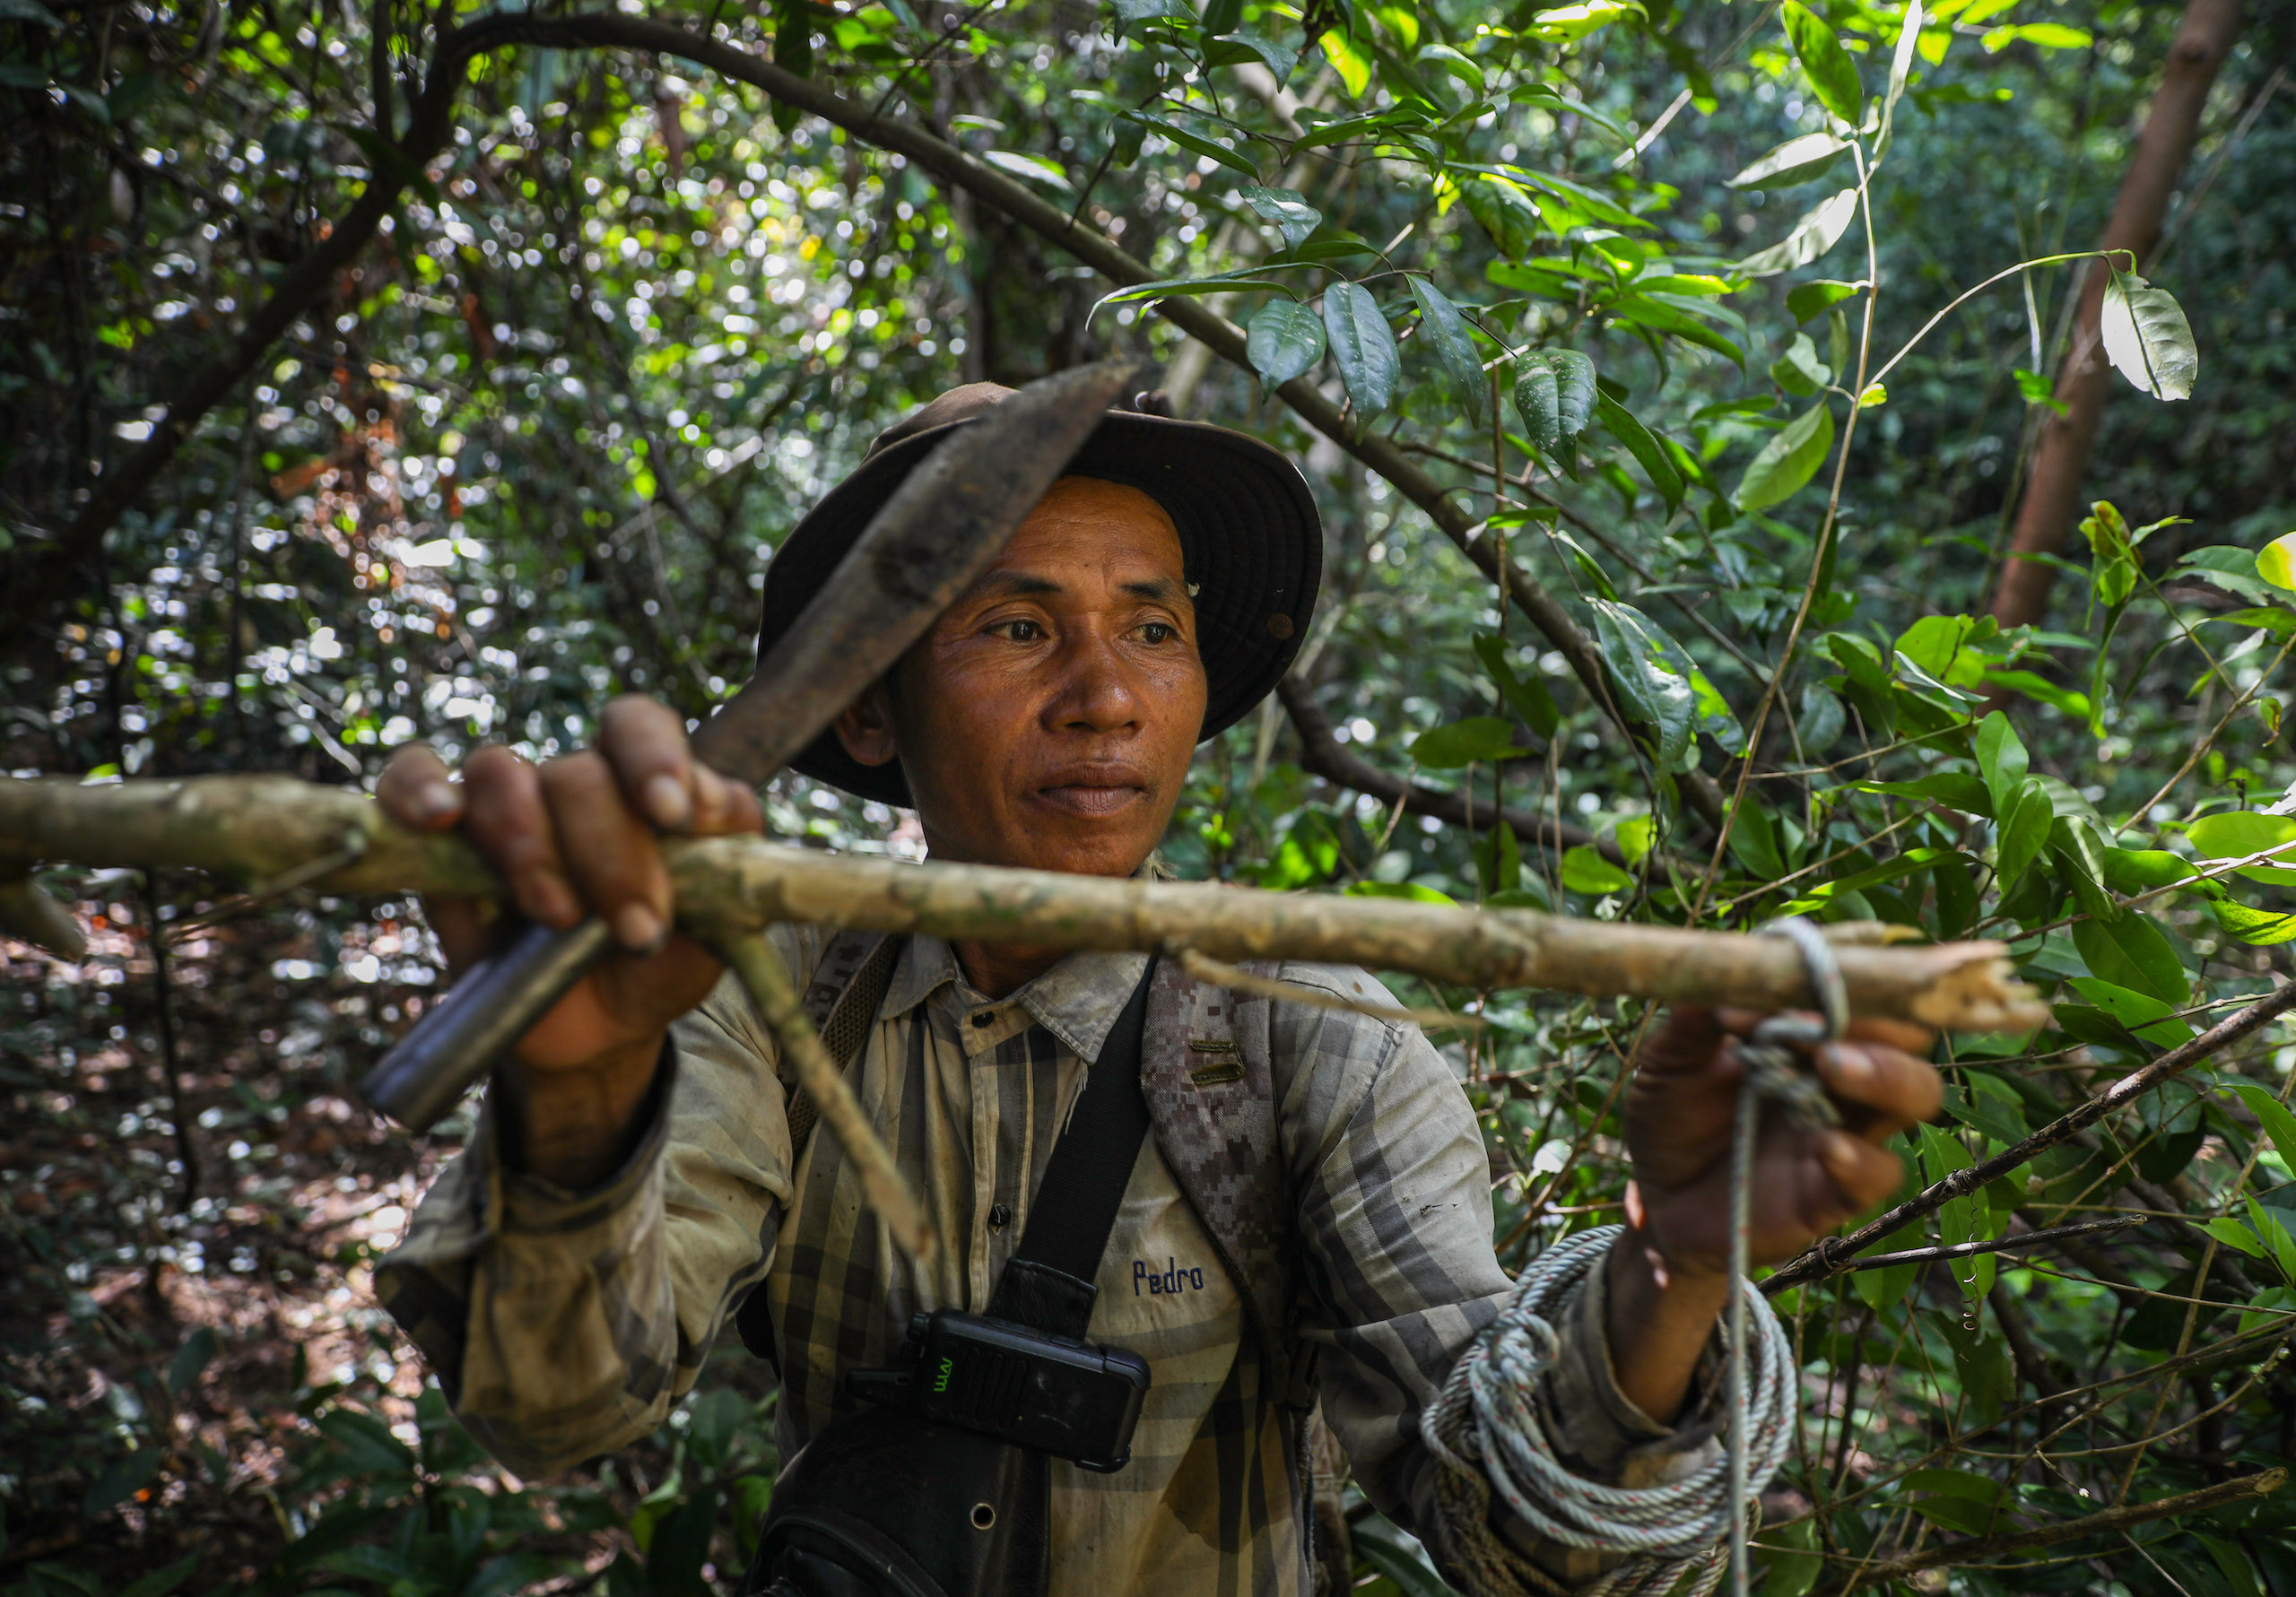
pixel 191 1200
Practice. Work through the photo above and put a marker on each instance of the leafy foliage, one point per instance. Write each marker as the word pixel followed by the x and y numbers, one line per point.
pixel 532 448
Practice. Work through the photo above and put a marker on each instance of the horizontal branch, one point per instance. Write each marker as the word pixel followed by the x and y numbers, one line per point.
pixel 2260 1485
pixel 264 828
pixel 1999 1245
pixel 1321 754
pixel 1832 1255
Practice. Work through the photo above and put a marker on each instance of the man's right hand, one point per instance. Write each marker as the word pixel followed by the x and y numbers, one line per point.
pixel 577 834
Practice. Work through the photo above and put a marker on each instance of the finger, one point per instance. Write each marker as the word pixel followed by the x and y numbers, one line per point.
pixel 509 824
pixel 1685 1044
pixel 463 926
pixel 414 790
pixel 611 851
pixel 1861 1173
pixel 1897 1034
pixel 1896 1089
pixel 724 807
pixel 645 746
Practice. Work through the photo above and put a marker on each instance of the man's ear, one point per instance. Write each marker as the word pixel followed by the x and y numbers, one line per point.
pixel 865 727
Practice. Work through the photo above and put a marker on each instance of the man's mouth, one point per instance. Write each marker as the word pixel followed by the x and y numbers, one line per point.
pixel 1094 791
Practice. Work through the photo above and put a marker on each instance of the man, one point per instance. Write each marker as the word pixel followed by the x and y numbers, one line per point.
pixel 635 1175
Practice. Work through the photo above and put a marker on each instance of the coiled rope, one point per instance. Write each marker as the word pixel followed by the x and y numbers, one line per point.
pixel 1485 1431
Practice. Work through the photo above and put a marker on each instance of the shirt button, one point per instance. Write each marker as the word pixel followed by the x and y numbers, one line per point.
pixel 999 1217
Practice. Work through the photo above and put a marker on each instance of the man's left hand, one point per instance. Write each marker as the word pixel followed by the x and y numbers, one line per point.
pixel 1680 1109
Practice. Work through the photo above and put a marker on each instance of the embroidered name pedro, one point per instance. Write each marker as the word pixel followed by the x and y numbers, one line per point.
pixel 1174 1277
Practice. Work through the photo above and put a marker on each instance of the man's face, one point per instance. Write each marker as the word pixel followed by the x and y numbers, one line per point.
pixel 1048 718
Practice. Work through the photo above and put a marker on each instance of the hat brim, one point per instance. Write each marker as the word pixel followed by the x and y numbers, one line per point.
pixel 1251 543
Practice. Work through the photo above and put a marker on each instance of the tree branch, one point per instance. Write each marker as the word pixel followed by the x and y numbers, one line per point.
pixel 44 577
pixel 1322 755
pixel 264 828
pixel 1999 1245
pixel 2260 1485
pixel 1831 1256
pixel 427 130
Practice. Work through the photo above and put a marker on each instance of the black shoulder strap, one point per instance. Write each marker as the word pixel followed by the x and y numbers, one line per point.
pixel 1048 1283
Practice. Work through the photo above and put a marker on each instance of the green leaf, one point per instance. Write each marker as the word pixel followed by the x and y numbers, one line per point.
pixel 1528 697
pixel 1584 870
pixel 1647 668
pixel 2002 760
pixel 1285 338
pixel 1956 790
pixel 191 1360
pixel 1035 168
pixel 1411 890
pixel 2278 1124
pixel 1354 71
pixel 2144 1015
pixel 1832 71
pixel 1798 370
pixel 1818 231
pixel 1293 217
pixel 1232 159
pixel 1789 459
pixel 1554 394
pixel 1577 21
pixel 2235 1236
pixel 2237 833
pixel 161 1581
pixel 2135 869
pixel 2276 562
pixel 1797 161
pixel 2259 928
pixel 1885 1287
pixel 1232 50
pixel 1174 287
pixel 2038 687
pixel 2022 836
pixel 121 1480
pixel 1807 299
pixel 1362 346
pixel 1647 452
pixel 1788 1559
pixel 1454 344
pixel 1820 720
pixel 2147 338
pixel 2133 953
pixel 1477 739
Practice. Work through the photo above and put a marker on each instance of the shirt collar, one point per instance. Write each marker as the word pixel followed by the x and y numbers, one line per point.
pixel 1077 1000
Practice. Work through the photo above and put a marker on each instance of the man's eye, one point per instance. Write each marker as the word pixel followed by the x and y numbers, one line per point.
pixel 1019 629
pixel 1156 632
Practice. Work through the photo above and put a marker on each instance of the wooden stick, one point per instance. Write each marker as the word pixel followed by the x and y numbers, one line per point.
pixel 260 828
pixel 762 971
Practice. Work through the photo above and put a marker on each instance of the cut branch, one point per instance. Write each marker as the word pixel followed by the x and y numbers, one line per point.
pixel 264 827
pixel 1832 1256
pixel 2260 1485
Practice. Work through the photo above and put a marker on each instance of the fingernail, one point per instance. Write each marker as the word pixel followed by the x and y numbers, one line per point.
pixel 666 803
pixel 552 901
pixel 438 801
pixel 1838 1152
pixel 638 929
pixel 1849 1066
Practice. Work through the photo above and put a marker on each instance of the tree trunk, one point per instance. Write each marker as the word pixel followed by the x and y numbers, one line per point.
pixel 2052 501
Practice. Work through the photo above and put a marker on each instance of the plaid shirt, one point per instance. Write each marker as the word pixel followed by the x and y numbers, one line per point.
pixel 564 1325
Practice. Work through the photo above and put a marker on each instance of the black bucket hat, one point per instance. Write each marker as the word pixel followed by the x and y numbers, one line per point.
pixel 1251 543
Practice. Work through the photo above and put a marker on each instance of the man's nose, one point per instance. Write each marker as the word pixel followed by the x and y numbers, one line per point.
pixel 1097 690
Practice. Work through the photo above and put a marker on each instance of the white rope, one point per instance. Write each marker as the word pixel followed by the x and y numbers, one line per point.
pixel 1486 1433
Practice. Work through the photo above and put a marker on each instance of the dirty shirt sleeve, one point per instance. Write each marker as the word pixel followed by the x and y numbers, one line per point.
pixel 1393 1186
pixel 563 1325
